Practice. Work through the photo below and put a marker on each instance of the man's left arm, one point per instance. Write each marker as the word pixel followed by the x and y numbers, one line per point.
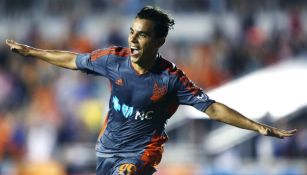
pixel 222 113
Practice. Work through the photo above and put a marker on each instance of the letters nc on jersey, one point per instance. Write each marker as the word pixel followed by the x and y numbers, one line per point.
pixel 140 105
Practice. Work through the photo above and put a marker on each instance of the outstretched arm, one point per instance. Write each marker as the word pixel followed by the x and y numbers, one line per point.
pixel 60 58
pixel 220 112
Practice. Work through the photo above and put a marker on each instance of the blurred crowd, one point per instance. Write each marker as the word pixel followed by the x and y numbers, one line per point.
pixel 44 109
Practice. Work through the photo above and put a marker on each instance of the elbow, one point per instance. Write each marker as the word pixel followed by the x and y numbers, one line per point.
pixel 72 67
pixel 213 111
pixel 68 65
pixel 71 63
pixel 215 117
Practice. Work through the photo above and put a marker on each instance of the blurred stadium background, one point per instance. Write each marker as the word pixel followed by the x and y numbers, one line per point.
pixel 249 54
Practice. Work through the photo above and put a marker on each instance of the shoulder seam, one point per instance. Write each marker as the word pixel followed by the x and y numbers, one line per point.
pixel 118 51
pixel 185 81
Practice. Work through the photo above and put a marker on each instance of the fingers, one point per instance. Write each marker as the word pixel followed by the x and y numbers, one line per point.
pixel 283 133
pixel 276 132
pixel 289 133
pixel 14 46
pixel 7 41
pixel 11 44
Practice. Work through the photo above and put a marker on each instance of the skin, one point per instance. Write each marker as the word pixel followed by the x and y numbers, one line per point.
pixel 63 59
pixel 222 113
pixel 142 37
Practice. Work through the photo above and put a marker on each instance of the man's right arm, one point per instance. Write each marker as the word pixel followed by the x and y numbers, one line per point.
pixel 64 59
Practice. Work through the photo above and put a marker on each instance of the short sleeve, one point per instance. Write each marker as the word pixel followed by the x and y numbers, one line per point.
pixel 93 63
pixel 187 93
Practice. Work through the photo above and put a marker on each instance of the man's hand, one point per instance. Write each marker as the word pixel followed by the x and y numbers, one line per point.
pixel 275 132
pixel 59 58
pixel 22 49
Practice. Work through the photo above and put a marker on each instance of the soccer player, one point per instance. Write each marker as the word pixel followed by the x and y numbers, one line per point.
pixel 146 91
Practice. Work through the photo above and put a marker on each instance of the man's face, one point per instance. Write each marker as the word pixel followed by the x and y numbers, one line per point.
pixel 142 41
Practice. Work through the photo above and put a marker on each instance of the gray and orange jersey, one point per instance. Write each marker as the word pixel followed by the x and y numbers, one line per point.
pixel 140 105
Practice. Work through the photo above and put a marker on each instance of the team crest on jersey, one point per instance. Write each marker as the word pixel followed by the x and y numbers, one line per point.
pixel 158 92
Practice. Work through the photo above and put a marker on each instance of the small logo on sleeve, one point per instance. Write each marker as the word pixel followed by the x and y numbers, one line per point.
pixel 202 97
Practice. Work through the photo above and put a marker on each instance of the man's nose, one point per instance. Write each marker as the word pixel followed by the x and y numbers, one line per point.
pixel 133 38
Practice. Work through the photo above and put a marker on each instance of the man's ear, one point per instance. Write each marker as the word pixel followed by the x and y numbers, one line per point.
pixel 160 41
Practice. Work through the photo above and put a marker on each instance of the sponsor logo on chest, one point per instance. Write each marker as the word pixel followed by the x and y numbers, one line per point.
pixel 128 111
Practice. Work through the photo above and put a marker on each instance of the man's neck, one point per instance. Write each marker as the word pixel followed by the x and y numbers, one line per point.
pixel 142 68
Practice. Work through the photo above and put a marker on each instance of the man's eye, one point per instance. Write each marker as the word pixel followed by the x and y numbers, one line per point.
pixel 143 35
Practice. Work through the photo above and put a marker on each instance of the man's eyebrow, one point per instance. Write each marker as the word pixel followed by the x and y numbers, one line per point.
pixel 142 32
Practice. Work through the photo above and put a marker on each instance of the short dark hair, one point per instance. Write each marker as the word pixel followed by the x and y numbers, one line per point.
pixel 163 21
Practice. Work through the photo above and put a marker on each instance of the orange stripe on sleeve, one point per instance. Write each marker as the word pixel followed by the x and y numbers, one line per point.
pixel 122 52
pixel 119 51
pixel 99 53
pixel 186 82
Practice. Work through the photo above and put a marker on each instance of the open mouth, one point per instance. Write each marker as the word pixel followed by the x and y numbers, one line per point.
pixel 134 51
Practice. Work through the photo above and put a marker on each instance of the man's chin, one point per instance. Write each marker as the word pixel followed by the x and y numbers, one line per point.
pixel 134 59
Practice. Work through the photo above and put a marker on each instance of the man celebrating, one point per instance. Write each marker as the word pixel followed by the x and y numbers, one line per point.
pixel 146 92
